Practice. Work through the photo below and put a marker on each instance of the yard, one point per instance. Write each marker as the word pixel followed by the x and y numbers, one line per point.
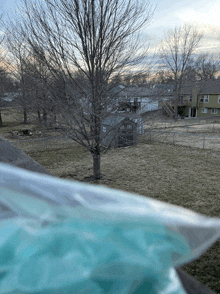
pixel 180 175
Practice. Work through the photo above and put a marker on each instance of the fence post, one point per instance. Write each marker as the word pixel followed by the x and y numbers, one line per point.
pixel 204 143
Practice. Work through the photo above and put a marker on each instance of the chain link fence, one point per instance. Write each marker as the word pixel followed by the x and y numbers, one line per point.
pixel 198 125
pixel 184 139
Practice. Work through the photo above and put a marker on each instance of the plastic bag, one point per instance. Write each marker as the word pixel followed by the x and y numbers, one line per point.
pixel 59 236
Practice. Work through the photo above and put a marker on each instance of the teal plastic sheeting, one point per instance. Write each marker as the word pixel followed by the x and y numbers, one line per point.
pixel 59 236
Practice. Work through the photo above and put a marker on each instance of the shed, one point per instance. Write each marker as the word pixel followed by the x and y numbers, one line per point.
pixel 118 131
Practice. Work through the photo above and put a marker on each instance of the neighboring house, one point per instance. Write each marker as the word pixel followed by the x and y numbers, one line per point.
pixel 197 99
pixel 118 131
pixel 140 100
pixel 202 98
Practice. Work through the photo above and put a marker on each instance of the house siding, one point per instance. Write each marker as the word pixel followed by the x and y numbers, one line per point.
pixel 198 88
pixel 212 104
pixel 194 102
pixel 108 136
pixel 200 114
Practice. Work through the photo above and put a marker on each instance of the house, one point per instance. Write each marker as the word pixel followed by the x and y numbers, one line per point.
pixel 202 98
pixel 140 100
pixel 197 99
pixel 118 131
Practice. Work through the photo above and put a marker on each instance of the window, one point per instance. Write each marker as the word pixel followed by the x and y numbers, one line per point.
pixel 214 111
pixel 204 110
pixel 190 98
pixel 206 98
pixel 104 129
pixel 129 127
pixel 218 98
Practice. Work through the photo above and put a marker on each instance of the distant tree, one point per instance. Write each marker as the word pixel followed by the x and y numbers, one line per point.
pixel 2 70
pixel 97 39
pixel 29 70
pixel 139 79
pixel 190 73
pixel 163 77
pixel 41 76
pixel 127 79
pixel 117 79
pixel 176 52
pixel 4 85
pixel 207 66
pixel 17 58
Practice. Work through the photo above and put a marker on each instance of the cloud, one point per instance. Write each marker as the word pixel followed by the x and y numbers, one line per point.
pixel 207 13
pixel 202 13
pixel 211 37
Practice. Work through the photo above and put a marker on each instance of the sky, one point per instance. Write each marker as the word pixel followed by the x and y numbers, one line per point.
pixel 170 13
pixel 201 13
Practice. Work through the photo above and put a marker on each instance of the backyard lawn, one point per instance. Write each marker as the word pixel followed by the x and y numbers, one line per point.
pixel 180 175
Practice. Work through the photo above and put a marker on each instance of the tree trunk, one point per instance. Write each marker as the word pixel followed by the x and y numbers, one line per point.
pixel 96 166
pixel 54 118
pixel 38 115
pixel 175 110
pixel 25 115
pixel 44 116
pixel 1 124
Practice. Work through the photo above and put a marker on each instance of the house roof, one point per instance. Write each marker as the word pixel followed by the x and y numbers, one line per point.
pixel 204 87
pixel 210 87
pixel 143 92
pixel 114 120
pixel 168 87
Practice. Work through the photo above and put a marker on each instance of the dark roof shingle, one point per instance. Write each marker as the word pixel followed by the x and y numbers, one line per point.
pixel 205 87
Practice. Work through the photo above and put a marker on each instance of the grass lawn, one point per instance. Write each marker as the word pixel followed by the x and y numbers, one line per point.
pixel 178 175
pixel 184 176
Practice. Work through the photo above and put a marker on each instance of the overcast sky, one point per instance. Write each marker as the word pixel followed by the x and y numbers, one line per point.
pixel 202 13
pixel 169 13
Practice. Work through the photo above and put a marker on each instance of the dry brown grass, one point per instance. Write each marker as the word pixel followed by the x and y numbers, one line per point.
pixel 175 174
pixel 180 175
pixel 196 140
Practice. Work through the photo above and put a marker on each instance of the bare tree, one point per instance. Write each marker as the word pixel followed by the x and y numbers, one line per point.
pixel 2 69
pixel 163 77
pixel 176 52
pixel 41 76
pixel 5 85
pixel 29 69
pixel 18 59
pixel 207 66
pixel 97 39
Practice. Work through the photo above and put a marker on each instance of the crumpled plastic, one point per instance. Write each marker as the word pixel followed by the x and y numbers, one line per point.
pixel 59 236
